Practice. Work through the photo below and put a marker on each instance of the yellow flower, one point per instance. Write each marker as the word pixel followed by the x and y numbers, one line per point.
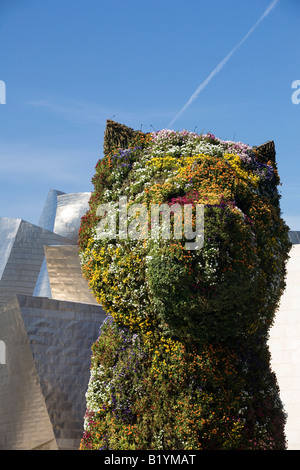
pixel 236 163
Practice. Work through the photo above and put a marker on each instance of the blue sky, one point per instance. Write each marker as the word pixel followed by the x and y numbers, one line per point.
pixel 68 65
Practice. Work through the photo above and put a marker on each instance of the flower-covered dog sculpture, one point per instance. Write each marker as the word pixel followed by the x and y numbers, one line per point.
pixel 182 361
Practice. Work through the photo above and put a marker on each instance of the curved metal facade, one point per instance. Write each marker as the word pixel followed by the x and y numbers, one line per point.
pixel 62 213
pixel 48 323
pixel 43 383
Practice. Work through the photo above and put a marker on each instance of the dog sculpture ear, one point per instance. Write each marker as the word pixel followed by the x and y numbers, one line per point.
pixel 266 152
pixel 117 136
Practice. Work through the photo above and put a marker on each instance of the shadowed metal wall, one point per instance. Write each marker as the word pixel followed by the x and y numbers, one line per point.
pixel 44 380
pixel 24 419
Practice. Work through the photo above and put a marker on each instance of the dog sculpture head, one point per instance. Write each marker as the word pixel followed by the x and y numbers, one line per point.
pixel 228 282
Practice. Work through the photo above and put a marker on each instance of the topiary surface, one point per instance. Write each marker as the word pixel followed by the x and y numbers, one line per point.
pixel 182 361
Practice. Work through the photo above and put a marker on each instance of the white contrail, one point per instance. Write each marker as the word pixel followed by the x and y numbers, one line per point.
pixel 223 62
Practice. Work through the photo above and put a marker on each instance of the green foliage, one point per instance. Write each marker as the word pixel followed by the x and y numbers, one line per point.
pixel 181 397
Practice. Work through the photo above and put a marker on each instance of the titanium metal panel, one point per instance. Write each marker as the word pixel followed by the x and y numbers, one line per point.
pixel 70 209
pixel 44 380
pixel 25 259
pixel 62 213
pixel 47 219
pixel 8 231
pixel 24 419
pixel 294 237
pixel 65 275
pixel 42 287
pixel 60 335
